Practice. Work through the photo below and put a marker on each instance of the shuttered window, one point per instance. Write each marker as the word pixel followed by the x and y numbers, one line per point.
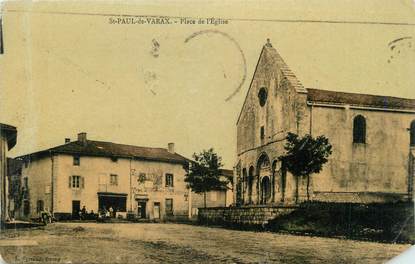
pixel 114 179
pixel 76 182
pixel 169 180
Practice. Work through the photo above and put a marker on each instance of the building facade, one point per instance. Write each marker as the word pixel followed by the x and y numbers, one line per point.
pixel 373 139
pixel 145 182
pixel 216 198
pixel 8 138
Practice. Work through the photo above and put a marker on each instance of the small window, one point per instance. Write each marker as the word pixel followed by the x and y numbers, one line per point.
pixel 114 179
pixel 262 96
pixel 114 159
pixel 412 133
pixel 262 132
pixel 76 160
pixel 169 206
pixel 76 182
pixel 359 129
pixel 169 180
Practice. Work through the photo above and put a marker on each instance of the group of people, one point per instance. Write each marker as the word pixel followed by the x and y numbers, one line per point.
pixel 84 215
pixel 108 213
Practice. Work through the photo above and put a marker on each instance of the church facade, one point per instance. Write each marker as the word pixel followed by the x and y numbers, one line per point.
pixel 372 137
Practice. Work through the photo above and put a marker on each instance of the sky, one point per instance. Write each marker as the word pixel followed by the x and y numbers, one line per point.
pixel 67 68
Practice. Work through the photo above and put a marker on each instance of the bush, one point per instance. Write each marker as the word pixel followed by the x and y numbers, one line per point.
pixel 391 222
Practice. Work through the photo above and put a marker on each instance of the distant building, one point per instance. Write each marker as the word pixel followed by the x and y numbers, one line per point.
pixel 8 138
pixel 15 191
pixel 147 182
pixel 373 139
pixel 216 198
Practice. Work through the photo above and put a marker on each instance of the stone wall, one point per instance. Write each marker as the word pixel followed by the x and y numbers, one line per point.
pixel 242 216
pixel 359 197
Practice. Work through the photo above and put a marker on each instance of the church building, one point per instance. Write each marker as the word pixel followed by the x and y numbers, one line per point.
pixel 372 138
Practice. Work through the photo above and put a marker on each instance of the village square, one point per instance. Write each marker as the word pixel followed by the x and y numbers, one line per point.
pixel 139 164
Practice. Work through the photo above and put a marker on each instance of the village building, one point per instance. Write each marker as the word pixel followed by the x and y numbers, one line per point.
pixel 144 182
pixel 372 137
pixel 15 191
pixel 8 139
pixel 222 197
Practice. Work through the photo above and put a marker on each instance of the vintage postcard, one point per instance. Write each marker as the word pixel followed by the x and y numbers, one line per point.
pixel 207 132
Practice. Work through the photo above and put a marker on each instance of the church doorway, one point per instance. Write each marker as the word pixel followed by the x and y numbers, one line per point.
pixel 265 190
pixel 263 180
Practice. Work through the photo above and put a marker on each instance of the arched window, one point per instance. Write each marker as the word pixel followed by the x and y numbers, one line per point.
pixel 359 129
pixel 412 133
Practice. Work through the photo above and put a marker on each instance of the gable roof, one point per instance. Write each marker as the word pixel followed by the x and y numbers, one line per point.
pixel 109 149
pixel 355 99
pixel 10 133
pixel 274 60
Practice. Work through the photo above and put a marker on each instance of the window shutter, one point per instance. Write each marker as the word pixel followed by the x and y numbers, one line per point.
pixel 70 181
pixel 82 182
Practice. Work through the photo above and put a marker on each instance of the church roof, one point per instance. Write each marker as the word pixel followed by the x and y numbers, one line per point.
pixel 109 149
pixel 273 60
pixel 357 99
pixel 279 64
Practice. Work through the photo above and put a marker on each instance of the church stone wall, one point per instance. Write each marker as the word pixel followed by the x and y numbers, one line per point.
pixel 378 166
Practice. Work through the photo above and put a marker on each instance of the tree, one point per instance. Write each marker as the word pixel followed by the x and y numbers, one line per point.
pixel 304 156
pixel 204 173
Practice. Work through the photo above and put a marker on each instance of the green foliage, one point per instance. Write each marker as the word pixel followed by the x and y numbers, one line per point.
pixel 305 155
pixel 204 172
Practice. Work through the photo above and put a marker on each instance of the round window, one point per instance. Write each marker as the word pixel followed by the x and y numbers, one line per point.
pixel 262 96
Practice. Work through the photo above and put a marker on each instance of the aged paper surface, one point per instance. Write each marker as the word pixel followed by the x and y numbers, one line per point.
pixel 121 80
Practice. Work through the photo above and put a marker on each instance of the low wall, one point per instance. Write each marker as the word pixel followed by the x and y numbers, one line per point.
pixel 249 216
pixel 359 197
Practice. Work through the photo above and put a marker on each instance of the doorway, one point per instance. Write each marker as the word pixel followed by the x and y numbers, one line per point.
pixel 156 210
pixel 76 207
pixel 115 202
pixel 141 208
pixel 265 190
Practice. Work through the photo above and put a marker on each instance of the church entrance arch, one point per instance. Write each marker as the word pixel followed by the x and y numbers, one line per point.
pixel 265 190
pixel 264 175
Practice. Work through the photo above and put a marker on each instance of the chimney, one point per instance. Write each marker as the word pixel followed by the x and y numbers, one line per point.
pixel 67 140
pixel 82 137
pixel 170 148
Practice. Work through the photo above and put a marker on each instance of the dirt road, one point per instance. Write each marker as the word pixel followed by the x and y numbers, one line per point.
pixel 178 243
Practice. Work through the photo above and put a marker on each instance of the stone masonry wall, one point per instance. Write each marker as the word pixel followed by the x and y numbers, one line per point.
pixel 247 216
